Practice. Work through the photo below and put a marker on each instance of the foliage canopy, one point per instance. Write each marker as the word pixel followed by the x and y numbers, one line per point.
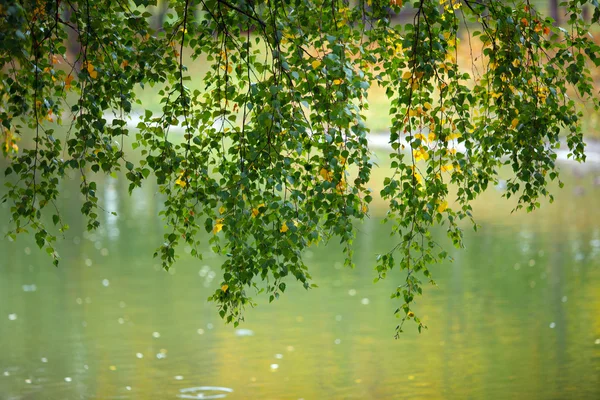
pixel 274 155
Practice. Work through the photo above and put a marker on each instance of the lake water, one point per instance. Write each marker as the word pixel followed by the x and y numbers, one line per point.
pixel 517 315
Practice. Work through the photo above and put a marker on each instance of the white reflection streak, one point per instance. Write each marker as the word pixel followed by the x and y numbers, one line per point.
pixel 525 242
pixel 111 205
pixel 595 243
pixel 140 202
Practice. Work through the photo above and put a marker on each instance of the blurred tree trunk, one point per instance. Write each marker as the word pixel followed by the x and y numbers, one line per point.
pixel 554 11
pixel 161 9
pixel 73 43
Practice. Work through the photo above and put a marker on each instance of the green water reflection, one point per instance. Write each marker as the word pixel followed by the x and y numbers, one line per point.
pixel 517 315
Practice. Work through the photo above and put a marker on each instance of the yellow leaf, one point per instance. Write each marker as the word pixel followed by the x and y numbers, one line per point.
pixel 453 136
pixel 421 137
pixel 255 211
pixel 421 154
pixel 431 137
pixel 284 228
pixel 427 106
pixel 68 81
pixel 418 177
pixel 181 182
pixel 442 206
pixel 514 123
pixel 218 226
pixel 337 81
pixel 222 210
pixel 326 174
pixel 406 75
pixel 315 64
pixel 410 314
pixel 224 288
pixel 341 186
pixel 94 74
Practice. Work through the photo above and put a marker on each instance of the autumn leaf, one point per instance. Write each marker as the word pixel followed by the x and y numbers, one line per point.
pixel 256 211
pixel 442 206
pixel 325 174
pixel 421 154
pixel 453 136
pixel 421 137
pixel 68 81
pixel 91 70
pixel 218 226
pixel 181 182
pixel 284 228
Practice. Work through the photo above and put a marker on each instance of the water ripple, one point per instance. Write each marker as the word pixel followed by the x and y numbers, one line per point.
pixel 199 392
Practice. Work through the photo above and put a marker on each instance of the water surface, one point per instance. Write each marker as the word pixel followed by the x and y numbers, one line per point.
pixel 517 315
